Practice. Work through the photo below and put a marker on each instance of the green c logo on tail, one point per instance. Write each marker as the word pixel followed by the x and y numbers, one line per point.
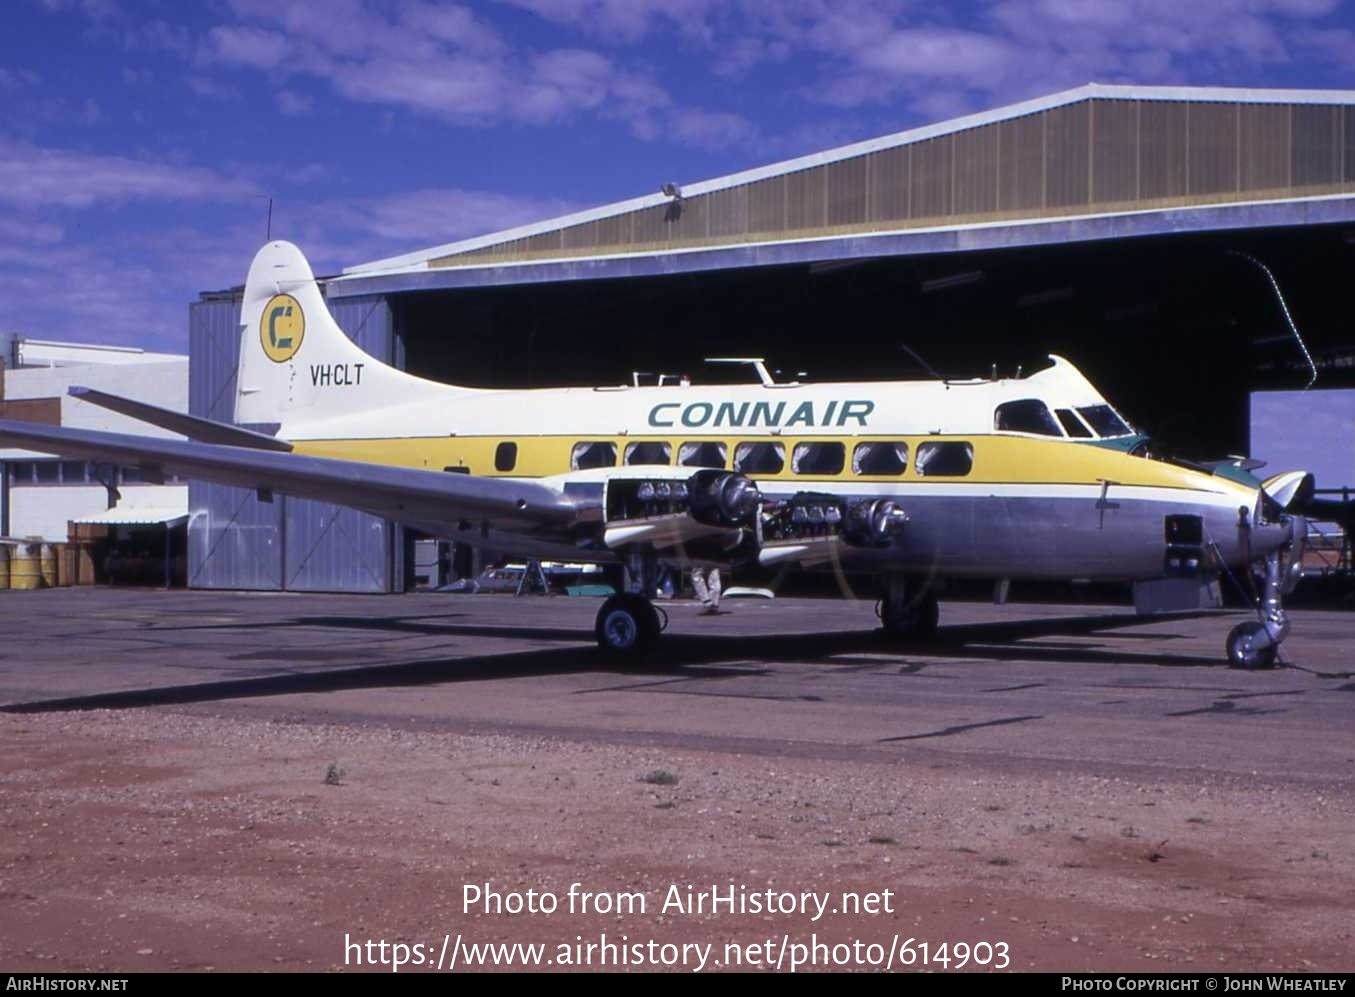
pixel 281 328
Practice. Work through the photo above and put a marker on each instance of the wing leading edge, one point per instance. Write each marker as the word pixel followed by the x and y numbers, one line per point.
pixel 409 494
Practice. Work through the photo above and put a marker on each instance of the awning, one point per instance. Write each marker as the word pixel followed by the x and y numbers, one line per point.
pixel 145 516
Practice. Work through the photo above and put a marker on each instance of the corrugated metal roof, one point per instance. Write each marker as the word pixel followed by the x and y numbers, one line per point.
pixel 146 516
pixel 420 260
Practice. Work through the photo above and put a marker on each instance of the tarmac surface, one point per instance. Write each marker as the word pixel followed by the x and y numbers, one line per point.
pixel 198 780
pixel 1089 688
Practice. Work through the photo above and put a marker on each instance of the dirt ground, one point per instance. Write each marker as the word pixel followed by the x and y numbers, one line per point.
pixel 151 840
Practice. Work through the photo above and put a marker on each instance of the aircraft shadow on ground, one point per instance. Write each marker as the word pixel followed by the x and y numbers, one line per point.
pixel 686 655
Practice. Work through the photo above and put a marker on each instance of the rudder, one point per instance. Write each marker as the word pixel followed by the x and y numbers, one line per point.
pixel 296 364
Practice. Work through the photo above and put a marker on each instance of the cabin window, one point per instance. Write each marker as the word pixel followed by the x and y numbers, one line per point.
pixel 588 455
pixel 889 457
pixel 818 458
pixel 1073 424
pixel 707 454
pixel 944 460
pixel 1103 419
pixel 760 458
pixel 1029 415
pixel 649 453
pixel 506 456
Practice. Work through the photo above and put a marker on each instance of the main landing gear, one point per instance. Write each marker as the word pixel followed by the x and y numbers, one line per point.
pixel 908 612
pixel 628 625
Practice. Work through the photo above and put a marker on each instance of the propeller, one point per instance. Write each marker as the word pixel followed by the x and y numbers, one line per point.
pixel 1289 489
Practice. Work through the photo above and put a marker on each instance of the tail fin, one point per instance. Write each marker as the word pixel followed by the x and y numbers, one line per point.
pixel 296 364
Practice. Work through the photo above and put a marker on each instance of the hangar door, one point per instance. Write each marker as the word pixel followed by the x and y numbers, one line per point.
pixel 236 540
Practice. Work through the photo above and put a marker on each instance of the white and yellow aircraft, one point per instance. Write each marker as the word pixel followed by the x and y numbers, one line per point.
pixel 911 481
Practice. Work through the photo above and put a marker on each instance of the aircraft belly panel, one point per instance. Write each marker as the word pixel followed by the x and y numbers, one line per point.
pixel 1033 537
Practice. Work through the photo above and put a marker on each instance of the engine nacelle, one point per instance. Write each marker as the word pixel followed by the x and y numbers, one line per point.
pixel 874 522
pixel 816 516
pixel 722 498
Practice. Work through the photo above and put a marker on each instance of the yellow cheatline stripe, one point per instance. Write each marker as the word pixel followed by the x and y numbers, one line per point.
pixel 997 459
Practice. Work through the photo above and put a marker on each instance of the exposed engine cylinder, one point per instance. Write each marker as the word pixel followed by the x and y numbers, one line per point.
pixel 875 522
pixel 722 498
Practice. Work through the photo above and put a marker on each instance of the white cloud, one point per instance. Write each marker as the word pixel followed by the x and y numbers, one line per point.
pixel 204 86
pixel 940 53
pixel 711 129
pixel 244 45
pixel 32 176
pixel 443 61
pixel 294 104
pixel 627 20
pixel 428 217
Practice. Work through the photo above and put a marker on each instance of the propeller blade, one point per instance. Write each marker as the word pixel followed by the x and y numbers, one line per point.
pixel 1289 488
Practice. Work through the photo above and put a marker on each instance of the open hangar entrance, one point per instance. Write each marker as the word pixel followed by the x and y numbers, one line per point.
pixel 1116 225
pixel 1176 330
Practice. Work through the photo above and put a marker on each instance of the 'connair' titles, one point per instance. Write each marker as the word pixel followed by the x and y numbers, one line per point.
pixel 739 415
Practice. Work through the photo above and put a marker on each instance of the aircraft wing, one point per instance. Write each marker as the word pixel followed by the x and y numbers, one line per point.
pixel 194 427
pixel 427 497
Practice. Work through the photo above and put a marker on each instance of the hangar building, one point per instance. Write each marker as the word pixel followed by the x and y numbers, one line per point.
pixel 1133 229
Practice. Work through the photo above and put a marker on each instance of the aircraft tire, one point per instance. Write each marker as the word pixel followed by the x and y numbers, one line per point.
pixel 916 620
pixel 1242 653
pixel 627 627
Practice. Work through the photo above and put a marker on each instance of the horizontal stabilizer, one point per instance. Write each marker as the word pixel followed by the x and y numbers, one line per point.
pixel 194 427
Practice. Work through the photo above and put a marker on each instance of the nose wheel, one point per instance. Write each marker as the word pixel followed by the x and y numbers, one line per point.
pixel 1256 643
pixel 1250 646
pixel 627 627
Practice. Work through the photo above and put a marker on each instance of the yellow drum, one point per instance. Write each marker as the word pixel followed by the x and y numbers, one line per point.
pixel 25 566
pixel 47 564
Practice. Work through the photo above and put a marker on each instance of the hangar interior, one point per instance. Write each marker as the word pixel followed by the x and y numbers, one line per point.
pixel 1175 330
pixel 1118 226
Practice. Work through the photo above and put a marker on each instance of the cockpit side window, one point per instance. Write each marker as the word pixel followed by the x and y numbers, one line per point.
pixel 1103 419
pixel 1073 424
pixel 1029 415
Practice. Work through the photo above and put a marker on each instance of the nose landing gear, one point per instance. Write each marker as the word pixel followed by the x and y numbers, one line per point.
pixel 1256 643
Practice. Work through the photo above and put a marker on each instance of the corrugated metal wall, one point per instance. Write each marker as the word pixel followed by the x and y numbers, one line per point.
pixel 1088 157
pixel 235 541
pixel 329 548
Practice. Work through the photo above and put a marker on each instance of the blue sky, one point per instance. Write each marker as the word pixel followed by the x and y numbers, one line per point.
pixel 140 139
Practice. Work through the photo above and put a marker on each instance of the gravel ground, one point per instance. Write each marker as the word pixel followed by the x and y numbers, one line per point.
pixel 153 840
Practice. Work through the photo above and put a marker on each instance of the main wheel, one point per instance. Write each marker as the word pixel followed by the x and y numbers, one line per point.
pixel 627 626
pixel 914 620
pixel 1250 647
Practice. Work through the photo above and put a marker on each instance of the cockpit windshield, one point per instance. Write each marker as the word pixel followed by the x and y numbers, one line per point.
pixel 1103 419
pixel 1029 415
